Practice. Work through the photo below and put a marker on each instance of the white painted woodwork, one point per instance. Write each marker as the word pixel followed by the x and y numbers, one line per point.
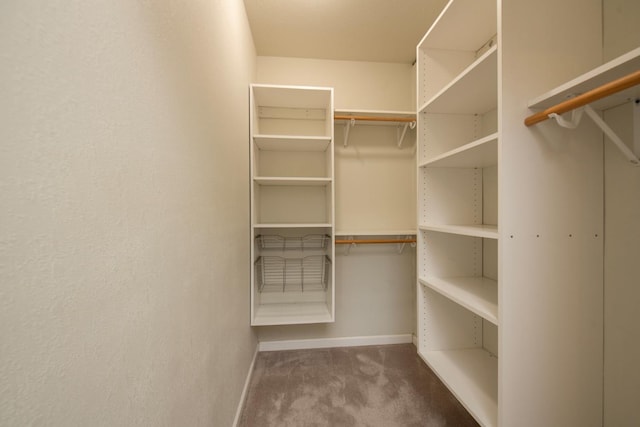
pixel 482 285
pixel 292 195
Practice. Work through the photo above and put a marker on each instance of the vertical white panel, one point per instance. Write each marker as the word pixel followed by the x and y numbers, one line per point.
pixel 622 228
pixel 490 337
pixel 447 255
pixel 489 122
pixel 490 195
pixel 449 326
pixel 453 195
pixel 550 208
pixel 440 133
pixel 622 278
pixel 490 258
pixel 438 68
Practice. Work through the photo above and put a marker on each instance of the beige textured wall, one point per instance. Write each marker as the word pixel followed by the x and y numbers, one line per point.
pixel 358 85
pixel 124 213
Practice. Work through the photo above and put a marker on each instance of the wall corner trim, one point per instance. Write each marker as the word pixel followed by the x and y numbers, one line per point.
pixel 243 395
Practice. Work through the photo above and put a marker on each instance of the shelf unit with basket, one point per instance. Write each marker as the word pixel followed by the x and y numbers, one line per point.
pixel 292 205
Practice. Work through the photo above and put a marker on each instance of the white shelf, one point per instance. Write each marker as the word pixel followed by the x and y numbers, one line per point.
pixel 472 376
pixel 481 153
pixel 277 96
pixel 612 70
pixel 477 294
pixel 376 113
pixel 479 230
pixel 292 143
pixel 474 91
pixel 292 314
pixel 346 233
pixel 381 113
pixel 292 225
pixel 461 24
pixel 290 181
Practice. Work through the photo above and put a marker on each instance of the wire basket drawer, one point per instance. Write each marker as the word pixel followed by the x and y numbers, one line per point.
pixel 279 274
pixel 277 242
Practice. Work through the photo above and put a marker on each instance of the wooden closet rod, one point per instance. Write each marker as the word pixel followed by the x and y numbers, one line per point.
pixel 586 98
pixel 373 241
pixel 375 118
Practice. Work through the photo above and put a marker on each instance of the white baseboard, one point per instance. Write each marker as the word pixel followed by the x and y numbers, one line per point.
pixel 334 342
pixel 243 396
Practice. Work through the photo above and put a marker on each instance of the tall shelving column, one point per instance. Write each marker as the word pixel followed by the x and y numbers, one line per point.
pixel 292 205
pixel 457 186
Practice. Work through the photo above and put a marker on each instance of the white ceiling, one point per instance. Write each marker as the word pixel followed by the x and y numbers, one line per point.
pixel 356 30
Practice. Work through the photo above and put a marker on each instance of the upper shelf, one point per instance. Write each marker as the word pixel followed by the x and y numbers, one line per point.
pixel 612 70
pixel 351 233
pixel 276 96
pixel 375 117
pixel 461 25
pixel 474 91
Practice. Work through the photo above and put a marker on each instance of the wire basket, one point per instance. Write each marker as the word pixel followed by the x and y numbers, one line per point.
pixel 279 274
pixel 308 242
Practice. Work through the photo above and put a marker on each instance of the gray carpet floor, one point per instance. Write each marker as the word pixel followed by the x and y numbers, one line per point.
pixel 353 386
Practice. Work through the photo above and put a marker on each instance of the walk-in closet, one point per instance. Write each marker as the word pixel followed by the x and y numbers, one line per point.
pixel 331 213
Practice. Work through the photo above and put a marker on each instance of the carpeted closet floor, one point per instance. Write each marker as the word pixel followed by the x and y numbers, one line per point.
pixel 371 386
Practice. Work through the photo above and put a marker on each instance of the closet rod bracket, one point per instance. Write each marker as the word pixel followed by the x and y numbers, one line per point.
pixel 347 128
pixel 407 125
pixel 402 245
pixel 349 246
pixel 576 116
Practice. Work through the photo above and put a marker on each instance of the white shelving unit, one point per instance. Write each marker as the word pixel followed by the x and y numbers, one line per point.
pixel 457 177
pixel 292 198
pixel 510 312
pixel 476 294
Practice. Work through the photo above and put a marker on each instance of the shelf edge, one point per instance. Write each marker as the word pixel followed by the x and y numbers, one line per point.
pixel 484 231
pixel 467 147
pixel 466 72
